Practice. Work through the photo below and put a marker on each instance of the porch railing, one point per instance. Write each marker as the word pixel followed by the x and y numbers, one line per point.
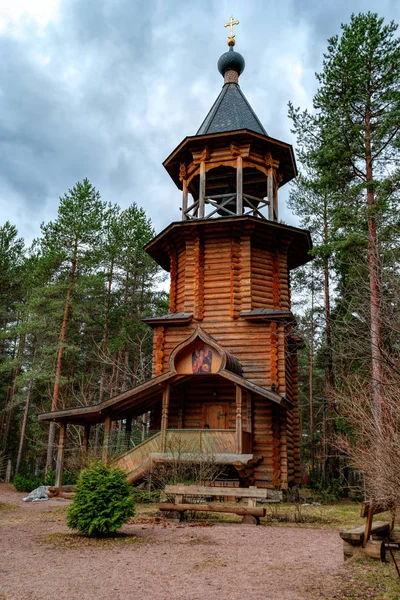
pixel 199 441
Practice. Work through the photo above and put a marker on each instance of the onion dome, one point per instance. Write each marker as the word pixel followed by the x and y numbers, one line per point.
pixel 231 61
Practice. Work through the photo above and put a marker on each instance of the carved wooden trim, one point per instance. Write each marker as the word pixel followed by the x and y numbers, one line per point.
pixel 235 271
pixel 182 171
pixel 159 342
pixel 173 278
pixel 276 457
pixel 276 291
pixel 296 421
pixel 274 356
pixel 198 253
pixel 283 448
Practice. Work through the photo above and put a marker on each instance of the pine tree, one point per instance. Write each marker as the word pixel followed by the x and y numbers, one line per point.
pixel 359 104
pixel 74 238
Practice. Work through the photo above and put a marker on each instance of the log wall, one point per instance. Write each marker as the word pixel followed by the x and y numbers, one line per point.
pixel 215 277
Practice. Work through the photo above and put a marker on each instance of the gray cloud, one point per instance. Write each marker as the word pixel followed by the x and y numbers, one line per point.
pixel 111 87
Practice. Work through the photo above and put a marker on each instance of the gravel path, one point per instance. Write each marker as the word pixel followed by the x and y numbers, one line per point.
pixel 230 561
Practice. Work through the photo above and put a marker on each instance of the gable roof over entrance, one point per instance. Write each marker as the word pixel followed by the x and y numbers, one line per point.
pixel 142 397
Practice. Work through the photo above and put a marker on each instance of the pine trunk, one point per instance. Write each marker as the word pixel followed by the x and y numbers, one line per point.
pixel 374 282
pixel 62 340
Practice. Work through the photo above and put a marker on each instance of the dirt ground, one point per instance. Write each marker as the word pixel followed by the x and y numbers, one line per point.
pixel 156 561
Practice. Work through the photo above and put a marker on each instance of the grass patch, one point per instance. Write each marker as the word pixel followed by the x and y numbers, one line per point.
pixel 342 515
pixel 5 506
pixel 71 541
pixel 367 580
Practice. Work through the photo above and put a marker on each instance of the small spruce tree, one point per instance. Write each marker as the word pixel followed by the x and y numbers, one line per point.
pixel 103 501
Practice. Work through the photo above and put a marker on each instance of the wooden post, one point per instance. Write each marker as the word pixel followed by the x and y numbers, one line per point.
pixel 184 200
pixel 202 189
pixel 270 193
pixel 128 431
pixel 239 185
pixel 164 415
pixel 85 442
pixel 106 439
pixel 239 401
pixel 368 525
pixel 60 456
pixel 249 412
pixel 181 403
pixel 275 203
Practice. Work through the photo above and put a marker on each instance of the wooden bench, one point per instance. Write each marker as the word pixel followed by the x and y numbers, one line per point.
pixel 251 513
pixel 359 537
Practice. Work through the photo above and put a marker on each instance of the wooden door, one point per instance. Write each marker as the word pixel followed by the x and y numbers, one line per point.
pixel 215 416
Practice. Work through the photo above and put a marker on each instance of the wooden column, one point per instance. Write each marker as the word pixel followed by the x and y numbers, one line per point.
pixel 184 200
pixel 128 431
pixel 239 402
pixel 270 193
pixel 275 202
pixel 164 415
pixel 106 440
pixel 202 189
pixel 60 455
pixel 181 404
pixel 239 185
pixel 249 412
pixel 85 442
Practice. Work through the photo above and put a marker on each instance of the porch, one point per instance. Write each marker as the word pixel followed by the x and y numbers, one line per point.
pixel 203 416
pixel 225 447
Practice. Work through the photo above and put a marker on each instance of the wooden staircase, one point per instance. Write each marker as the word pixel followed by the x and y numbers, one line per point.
pixel 138 460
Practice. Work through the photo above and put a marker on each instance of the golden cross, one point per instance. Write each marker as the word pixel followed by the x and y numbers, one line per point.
pixel 230 24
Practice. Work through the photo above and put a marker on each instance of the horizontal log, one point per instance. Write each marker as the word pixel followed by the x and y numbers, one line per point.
pixel 373 549
pixel 204 490
pixel 357 533
pixel 239 510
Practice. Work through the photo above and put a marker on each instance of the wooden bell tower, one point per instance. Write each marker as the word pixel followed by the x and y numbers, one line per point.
pixel 229 260
pixel 224 383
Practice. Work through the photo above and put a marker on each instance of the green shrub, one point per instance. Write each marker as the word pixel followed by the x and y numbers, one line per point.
pixel 103 501
pixel 27 483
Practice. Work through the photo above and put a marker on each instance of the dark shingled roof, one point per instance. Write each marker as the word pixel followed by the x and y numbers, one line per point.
pixel 231 111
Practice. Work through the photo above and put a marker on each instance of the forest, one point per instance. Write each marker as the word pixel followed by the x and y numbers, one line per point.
pixel 71 304
pixel 70 318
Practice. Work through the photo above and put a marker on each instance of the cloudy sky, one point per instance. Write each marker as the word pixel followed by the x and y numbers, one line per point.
pixel 106 89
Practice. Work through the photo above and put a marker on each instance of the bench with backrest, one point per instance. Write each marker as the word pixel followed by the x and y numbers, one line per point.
pixel 359 537
pixel 195 500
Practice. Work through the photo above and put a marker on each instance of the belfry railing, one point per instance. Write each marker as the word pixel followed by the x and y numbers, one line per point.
pixel 225 205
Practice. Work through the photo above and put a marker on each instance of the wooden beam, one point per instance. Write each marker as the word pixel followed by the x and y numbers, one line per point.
pixel 239 185
pixel 239 402
pixel 106 439
pixel 202 189
pixel 60 455
pixel 275 202
pixel 184 199
pixel 240 510
pixel 164 415
pixel 205 490
pixel 181 404
pixel 270 193
pixel 85 442
pixel 128 431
